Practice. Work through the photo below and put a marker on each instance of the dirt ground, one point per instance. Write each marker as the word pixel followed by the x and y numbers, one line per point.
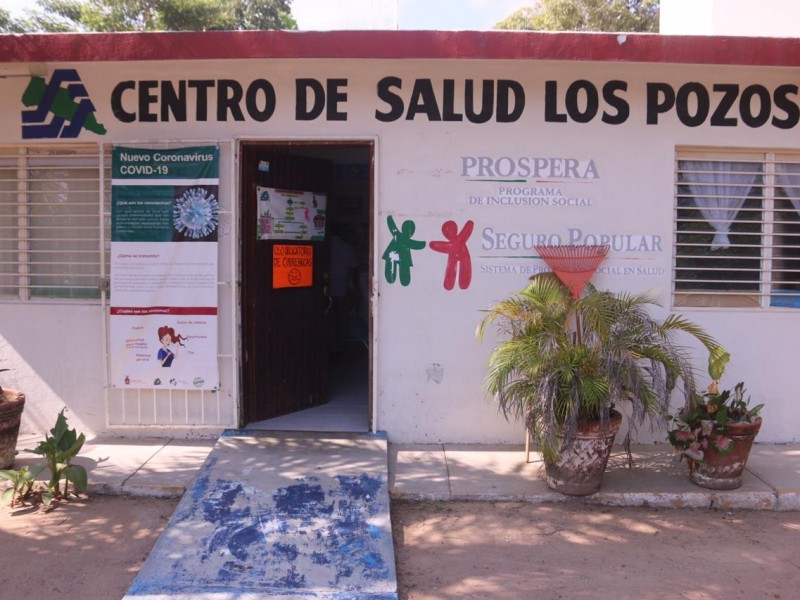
pixel 86 548
pixel 92 549
pixel 498 551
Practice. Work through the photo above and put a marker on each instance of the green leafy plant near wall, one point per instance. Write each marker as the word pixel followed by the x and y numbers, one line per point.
pixel 23 483
pixel 561 359
pixel 58 449
pixel 715 432
pixel 565 365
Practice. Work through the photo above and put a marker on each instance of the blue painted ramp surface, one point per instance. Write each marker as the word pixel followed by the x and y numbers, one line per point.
pixel 279 515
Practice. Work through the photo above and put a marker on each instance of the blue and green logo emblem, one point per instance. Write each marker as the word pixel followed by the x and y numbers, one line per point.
pixel 62 107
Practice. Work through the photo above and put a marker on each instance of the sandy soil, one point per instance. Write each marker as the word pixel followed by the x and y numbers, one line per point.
pixel 503 551
pixel 92 549
pixel 87 548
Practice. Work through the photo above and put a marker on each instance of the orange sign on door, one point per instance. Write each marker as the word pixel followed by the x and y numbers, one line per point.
pixel 292 266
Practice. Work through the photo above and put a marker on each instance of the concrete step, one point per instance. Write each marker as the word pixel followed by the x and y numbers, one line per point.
pixel 279 515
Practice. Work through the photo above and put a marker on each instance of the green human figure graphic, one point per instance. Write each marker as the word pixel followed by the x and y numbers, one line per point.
pixel 397 256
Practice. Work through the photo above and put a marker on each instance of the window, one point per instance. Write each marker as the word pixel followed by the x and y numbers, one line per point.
pixel 737 229
pixel 51 222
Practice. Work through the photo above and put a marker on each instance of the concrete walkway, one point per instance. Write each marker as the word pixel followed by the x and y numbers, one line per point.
pixel 163 467
pixel 461 472
pixel 140 467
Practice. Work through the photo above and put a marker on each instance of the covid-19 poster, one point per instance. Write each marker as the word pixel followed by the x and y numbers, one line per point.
pixel 164 224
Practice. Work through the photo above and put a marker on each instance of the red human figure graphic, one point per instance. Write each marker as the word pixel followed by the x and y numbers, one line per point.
pixel 458 258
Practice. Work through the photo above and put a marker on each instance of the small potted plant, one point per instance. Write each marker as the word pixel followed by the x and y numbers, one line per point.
pixel 11 404
pixel 715 432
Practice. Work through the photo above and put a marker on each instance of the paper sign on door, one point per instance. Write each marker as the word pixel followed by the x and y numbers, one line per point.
pixel 292 266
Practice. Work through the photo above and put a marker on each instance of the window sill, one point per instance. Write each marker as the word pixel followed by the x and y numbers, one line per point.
pixel 706 300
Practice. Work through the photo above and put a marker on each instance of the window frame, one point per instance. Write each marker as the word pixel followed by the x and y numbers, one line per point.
pixel 766 206
pixel 91 163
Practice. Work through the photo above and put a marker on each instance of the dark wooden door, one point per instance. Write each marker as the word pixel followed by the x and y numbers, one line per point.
pixel 285 330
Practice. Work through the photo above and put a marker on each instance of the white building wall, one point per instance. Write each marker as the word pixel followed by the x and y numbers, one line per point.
pixel 428 366
pixel 770 18
pixel 54 353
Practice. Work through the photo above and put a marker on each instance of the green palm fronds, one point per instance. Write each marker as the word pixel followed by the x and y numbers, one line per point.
pixel 562 360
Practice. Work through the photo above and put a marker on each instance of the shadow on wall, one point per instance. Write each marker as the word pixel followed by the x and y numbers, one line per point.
pixel 54 356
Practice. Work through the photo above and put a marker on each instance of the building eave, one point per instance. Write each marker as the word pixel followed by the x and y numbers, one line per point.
pixel 460 45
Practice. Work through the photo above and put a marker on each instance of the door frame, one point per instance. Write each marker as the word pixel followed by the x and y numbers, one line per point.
pixel 368 143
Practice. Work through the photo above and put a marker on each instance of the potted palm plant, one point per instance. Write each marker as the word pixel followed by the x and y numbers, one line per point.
pixel 11 404
pixel 565 363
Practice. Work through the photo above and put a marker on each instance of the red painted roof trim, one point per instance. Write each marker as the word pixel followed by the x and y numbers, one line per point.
pixel 648 48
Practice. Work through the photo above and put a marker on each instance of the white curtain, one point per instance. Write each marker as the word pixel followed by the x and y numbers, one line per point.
pixel 719 190
pixel 787 176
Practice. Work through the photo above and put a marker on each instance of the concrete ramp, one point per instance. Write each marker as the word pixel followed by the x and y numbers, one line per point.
pixel 279 515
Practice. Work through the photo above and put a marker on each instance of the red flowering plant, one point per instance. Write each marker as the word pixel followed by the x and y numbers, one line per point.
pixel 712 412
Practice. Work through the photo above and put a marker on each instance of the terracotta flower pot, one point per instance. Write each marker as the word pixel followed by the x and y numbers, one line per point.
pixel 10 417
pixel 579 468
pixel 724 470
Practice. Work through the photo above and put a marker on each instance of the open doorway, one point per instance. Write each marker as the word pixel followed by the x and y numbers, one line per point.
pixel 306 340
